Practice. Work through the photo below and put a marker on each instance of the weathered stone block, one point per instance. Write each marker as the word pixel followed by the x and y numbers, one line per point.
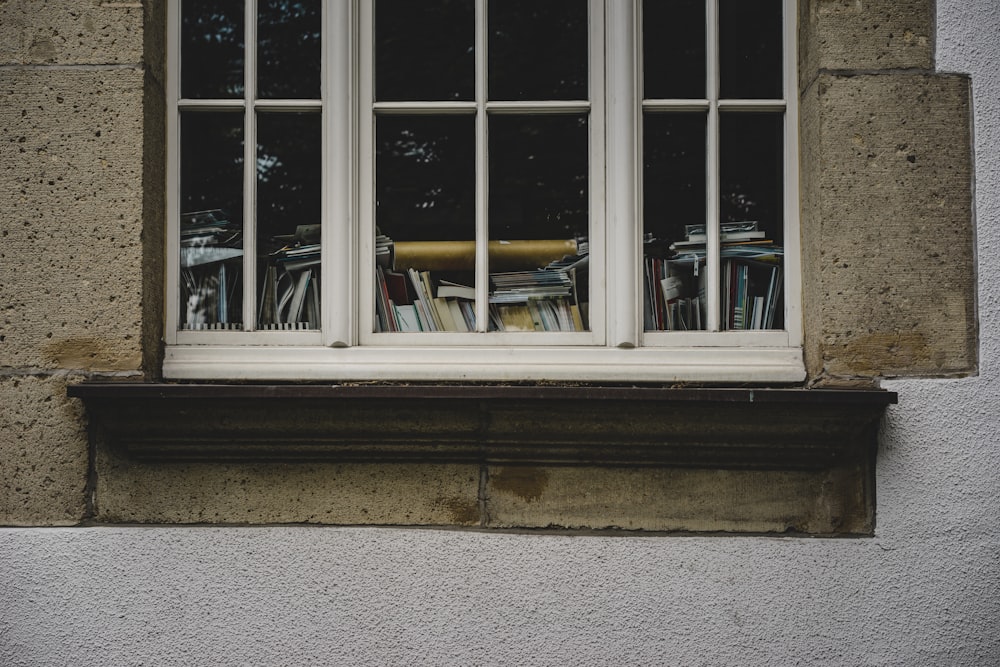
pixel 71 253
pixel 678 499
pixel 70 32
pixel 859 35
pixel 316 492
pixel 887 226
pixel 43 453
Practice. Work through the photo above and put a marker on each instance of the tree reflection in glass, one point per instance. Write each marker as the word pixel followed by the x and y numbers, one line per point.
pixel 212 44
pixel 424 51
pixel 211 229
pixel 289 37
pixel 538 50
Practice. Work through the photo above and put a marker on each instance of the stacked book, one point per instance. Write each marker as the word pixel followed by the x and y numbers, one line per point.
pixel 211 252
pixel 409 300
pixel 751 280
pixel 539 300
pixel 290 286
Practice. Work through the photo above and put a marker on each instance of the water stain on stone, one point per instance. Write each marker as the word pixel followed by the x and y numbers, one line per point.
pixel 463 511
pixel 93 354
pixel 527 483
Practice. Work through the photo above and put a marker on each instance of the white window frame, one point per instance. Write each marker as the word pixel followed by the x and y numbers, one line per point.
pixel 616 350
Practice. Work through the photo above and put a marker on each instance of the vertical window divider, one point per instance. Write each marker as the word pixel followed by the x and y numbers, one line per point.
pixel 482 170
pixel 172 287
pixel 250 167
pixel 597 233
pixel 338 204
pixel 792 260
pixel 713 245
pixel 363 293
pixel 623 239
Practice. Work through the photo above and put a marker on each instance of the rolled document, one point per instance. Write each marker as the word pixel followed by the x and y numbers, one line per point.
pixel 461 255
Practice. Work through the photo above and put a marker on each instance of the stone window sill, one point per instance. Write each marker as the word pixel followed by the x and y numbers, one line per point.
pixel 783 428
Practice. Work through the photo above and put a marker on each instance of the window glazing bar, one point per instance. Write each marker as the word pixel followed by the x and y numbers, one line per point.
pixel 249 167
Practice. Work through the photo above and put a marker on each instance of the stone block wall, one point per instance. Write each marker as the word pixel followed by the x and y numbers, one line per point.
pixel 75 238
pixel 886 192
pixel 888 286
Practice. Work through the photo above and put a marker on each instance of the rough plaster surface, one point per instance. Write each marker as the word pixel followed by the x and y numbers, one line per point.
pixel 73 162
pixel 924 591
pixel 369 596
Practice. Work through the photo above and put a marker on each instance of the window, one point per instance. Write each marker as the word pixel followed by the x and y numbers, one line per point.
pixel 483 190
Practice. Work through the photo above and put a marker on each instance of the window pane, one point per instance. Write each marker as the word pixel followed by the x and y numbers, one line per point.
pixel 674 202
pixel 673 47
pixel 750 155
pixel 424 51
pixel 750 49
pixel 538 212
pixel 211 49
pixel 425 213
pixel 751 209
pixel 288 220
pixel 211 243
pixel 538 50
pixel 288 49
pixel 538 177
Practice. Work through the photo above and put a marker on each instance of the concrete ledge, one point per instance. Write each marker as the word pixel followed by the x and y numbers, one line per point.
pixel 747 428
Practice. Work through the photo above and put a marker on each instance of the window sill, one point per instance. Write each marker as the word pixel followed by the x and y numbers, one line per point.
pixel 739 363
pixel 752 428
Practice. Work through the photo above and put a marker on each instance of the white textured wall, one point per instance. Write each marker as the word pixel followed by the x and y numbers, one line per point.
pixel 924 591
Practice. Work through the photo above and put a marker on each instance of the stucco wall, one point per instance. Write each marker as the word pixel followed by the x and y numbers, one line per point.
pixel 924 591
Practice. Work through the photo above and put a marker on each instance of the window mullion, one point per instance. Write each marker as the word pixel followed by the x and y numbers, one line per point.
pixel 624 246
pixel 482 172
pixel 250 167
pixel 173 87
pixel 712 246
pixel 340 295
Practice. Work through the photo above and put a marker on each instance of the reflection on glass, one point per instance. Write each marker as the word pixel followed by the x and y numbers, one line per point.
pixel 751 220
pixel 211 49
pixel 673 152
pixel 538 177
pixel 750 157
pixel 538 50
pixel 288 48
pixel 539 222
pixel 750 49
pixel 211 229
pixel 288 220
pixel 424 51
pixel 673 47
pixel 425 214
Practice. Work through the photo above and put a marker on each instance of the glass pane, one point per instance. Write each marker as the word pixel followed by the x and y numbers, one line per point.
pixel 211 49
pixel 211 229
pixel 425 51
pixel 673 48
pixel 750 49
pixel 288 220
pixel 752 219
pixel 539 221
pixel 674 203
pixel 425 213
pixel 538 50
pixel 288 49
